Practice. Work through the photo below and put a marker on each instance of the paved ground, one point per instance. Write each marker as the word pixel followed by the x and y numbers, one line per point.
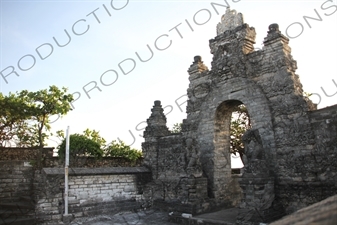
pixel 226 215
pixel 153 217
pixel 148 217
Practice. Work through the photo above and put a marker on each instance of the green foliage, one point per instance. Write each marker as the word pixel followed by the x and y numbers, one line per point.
pixel 240 123
pixel 177 128
pixel 43 104
pixel 24 116
pixel 90 143
pixel 95 136
pixel 13 118
pixel 115 149
pixel 80 145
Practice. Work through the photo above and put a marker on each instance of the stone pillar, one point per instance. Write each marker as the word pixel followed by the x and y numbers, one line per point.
pixel 199 86
pixel 280 61
pixel 156 128
pixel 197 91
pixel 294 138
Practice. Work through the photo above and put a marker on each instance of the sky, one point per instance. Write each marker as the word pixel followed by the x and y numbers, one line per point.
pixel 113 87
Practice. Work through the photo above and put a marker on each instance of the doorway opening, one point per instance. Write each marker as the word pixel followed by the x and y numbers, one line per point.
pixel 240 123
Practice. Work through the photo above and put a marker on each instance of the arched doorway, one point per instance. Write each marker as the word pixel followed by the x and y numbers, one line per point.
pixel 214 136
pixel 226 183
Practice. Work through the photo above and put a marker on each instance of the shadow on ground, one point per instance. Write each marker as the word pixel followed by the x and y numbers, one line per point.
pixel 147 217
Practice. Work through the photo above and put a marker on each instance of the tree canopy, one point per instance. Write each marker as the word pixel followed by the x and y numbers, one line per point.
pixel 240 123
pixel 24 115
pixel 91 144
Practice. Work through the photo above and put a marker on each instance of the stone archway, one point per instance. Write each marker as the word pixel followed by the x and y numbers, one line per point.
pixel 214 128
pixel 283 149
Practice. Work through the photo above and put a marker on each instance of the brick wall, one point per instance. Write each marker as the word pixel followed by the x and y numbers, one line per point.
pixel 91 191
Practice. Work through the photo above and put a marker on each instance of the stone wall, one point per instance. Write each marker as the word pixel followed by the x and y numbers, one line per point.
pixel 107 185
pixel 16 180
pixel 311 174
pixel 48 160
pixel 24 153
pixel 17 172
pixel 91 191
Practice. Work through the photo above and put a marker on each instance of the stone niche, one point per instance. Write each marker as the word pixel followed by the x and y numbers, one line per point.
pixel 290 151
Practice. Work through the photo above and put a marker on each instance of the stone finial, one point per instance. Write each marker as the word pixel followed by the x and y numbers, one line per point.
pixel 157 117
pixel 197 66
pixel 273 28
pixel 156 124
pixel 230 20
pixel 197 59
pixel 274 33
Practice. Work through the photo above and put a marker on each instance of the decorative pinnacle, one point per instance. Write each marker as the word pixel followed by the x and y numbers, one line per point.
pixel 230 20
pixel 197 66
pixel 274 33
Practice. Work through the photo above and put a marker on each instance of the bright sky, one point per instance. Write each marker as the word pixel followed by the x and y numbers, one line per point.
pixel 106 34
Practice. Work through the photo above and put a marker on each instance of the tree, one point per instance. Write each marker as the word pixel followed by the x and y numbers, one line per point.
pixel 43 104
pixel 115 149
pixel 80 146
pixel 91 144
pixel 240 123
pixel 95 136
pixel 14 114
pixel 25 116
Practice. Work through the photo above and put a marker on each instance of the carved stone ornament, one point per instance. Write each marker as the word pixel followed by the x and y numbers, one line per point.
pixel 230 20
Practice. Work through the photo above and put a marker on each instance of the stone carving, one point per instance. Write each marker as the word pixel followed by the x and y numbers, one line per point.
pixel 194 165
pixel 230 20
pixel 201 90
pixel 254 156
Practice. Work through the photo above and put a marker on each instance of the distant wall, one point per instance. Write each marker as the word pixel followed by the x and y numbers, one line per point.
pixel 24 153
pixel 48 160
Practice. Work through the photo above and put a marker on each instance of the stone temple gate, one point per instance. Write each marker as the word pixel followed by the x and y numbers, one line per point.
pixel 290 151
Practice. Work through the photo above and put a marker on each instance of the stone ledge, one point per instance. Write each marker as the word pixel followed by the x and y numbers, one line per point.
pixel 96 171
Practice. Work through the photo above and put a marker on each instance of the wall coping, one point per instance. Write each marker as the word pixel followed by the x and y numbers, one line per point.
pixel 26 148
pixel 96 171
